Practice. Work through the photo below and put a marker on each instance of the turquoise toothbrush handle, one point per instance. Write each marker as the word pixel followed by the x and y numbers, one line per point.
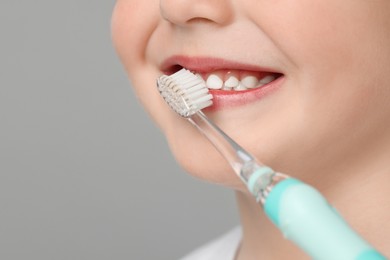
pixel 306 218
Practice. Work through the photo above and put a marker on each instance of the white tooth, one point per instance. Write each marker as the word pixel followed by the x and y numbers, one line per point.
pixel 266 79
pixel 231 82
pixel 250 81
pixel 214 82
pixel 240 87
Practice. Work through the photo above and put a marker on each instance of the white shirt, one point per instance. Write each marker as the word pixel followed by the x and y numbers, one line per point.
pixel 224 247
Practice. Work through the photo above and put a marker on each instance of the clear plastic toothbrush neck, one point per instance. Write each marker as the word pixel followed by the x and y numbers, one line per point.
pixel 243 163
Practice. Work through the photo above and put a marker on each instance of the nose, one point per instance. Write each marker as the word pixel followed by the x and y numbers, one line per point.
pixel 187 12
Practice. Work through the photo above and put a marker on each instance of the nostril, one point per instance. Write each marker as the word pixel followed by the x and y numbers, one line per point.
pixel 189 12
pixel 199 20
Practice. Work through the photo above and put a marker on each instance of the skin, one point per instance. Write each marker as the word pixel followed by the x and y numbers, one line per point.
pixel 328 123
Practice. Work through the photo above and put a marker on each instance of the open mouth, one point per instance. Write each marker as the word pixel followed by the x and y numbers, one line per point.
pixel 230 83
pixel 231 79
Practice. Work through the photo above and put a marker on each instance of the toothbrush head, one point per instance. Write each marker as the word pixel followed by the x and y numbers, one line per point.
pixel 184 92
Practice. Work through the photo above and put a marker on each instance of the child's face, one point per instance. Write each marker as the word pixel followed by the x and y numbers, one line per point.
pixel 330 103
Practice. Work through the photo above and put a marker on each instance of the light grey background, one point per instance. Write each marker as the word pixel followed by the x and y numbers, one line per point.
pixel 84 174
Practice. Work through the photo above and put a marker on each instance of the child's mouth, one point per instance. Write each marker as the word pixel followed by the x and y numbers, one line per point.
pixel 231 84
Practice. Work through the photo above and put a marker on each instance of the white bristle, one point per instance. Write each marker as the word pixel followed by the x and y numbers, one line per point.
pixel 184 92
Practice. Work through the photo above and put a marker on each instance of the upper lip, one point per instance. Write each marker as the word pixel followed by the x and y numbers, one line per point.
pixel 201 64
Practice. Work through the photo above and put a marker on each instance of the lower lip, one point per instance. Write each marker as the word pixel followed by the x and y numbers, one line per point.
pixel 227 99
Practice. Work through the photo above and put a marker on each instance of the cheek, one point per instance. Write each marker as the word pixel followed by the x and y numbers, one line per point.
pixel 316 34
pixel 132 24
pixel 338 50
pixel 338 53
